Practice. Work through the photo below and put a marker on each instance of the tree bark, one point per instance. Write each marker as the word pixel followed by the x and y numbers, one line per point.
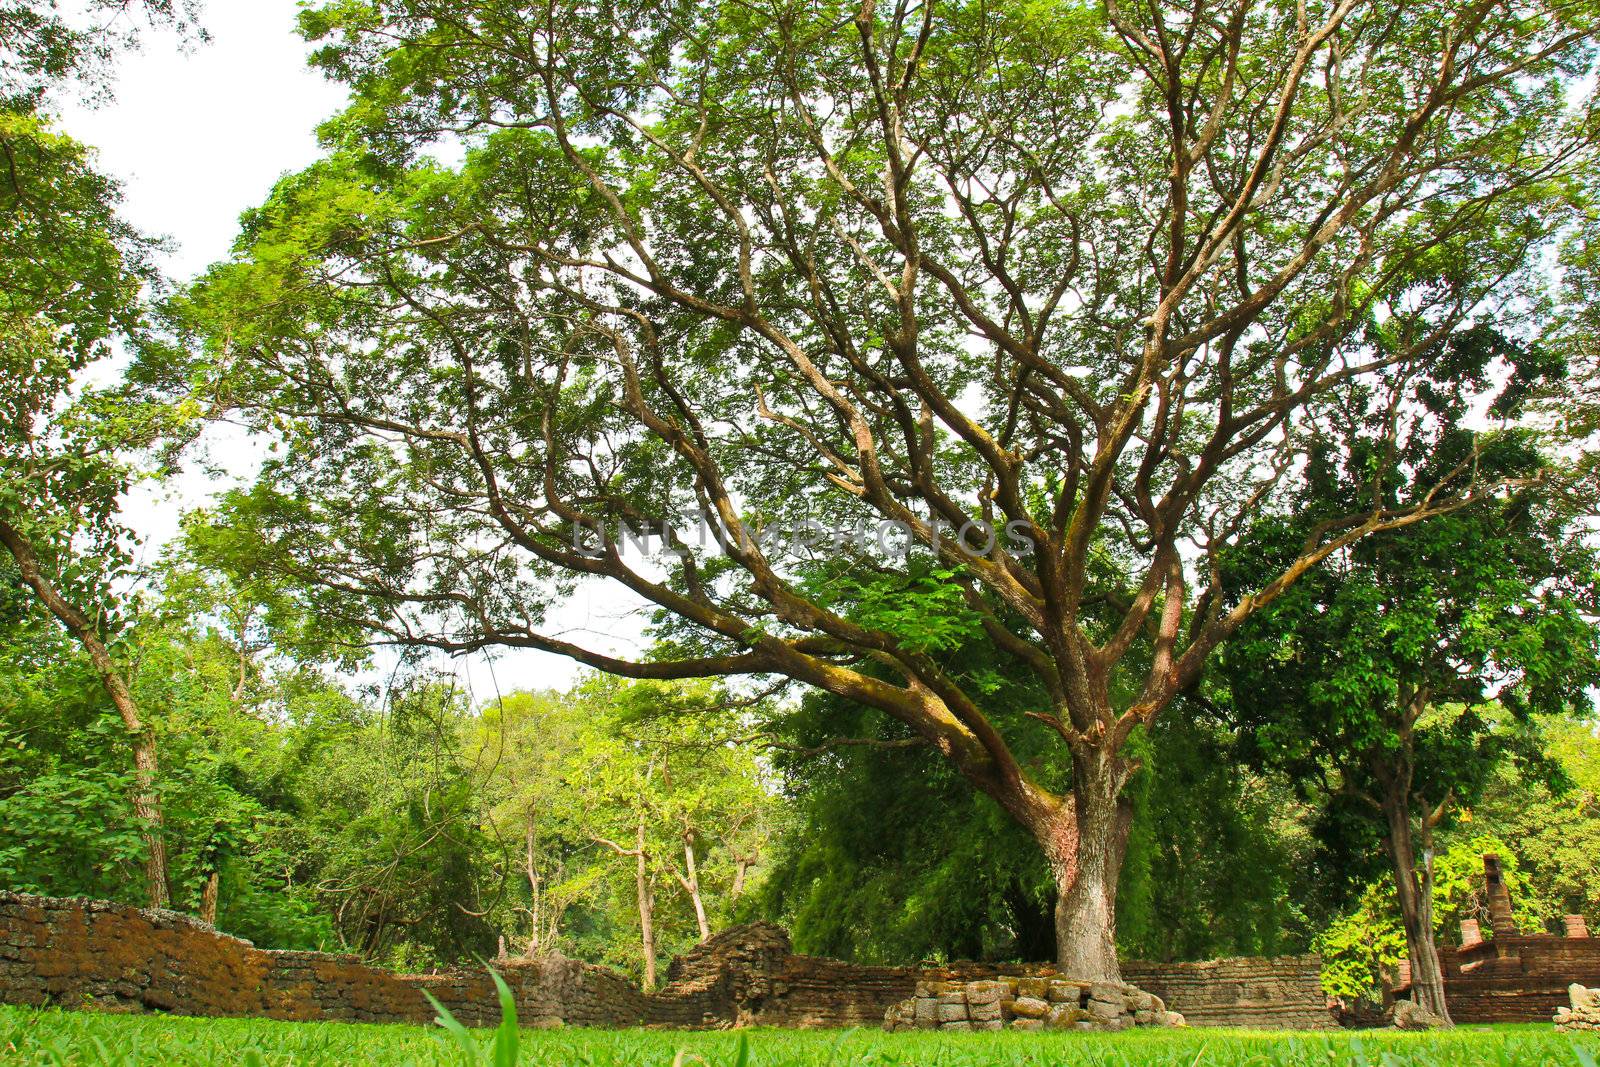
pixel 534 915
pixel 647 909
pixel 1415 895
pixel 1085 847
pixel 146 802
pixel 691 885
pixel 208 898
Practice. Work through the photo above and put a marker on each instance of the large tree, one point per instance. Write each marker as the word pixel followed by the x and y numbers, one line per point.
pixel 1088 279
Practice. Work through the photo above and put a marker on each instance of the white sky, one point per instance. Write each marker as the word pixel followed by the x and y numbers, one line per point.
pixel 197 137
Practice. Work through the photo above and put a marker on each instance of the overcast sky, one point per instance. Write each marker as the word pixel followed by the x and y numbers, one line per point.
pixel 197 137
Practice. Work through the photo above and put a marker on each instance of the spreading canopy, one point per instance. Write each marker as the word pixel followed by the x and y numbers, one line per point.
pixel 1092 277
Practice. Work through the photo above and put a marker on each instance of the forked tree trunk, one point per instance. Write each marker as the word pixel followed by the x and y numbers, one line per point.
pixel 690 881
pixel 1415 894
pixel 146 803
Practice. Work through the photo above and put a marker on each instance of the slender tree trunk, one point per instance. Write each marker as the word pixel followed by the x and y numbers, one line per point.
pixel 1415 896
pixel 691 885
pixel 647 912
pixel 208 898
pixel 146 803
pixel 536 919
pixel 1085 848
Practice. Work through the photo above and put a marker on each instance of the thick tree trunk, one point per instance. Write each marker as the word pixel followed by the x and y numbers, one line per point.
pixel 1415 895
pixel 146 803
pixel 1086 908
pixel 647 912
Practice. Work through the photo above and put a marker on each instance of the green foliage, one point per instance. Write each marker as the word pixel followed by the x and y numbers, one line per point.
pixel 45 46
pixel 65 822
pixel 70 831
pixel 924 609
pixel 892 859
pixel 387 806
pixel 577 777
pixel 1200 819
pixel 394 828
pixel 69 265
pixel 1360 949
pixel 1554 833
pixel 72 276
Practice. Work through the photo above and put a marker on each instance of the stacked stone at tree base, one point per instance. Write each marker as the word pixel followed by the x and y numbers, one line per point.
pixel 1584 1014
pixel 1028 1004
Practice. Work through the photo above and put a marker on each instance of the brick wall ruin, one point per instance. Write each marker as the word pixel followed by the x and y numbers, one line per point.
pixel 111 957
pixel 1262 994
pixel 1513 977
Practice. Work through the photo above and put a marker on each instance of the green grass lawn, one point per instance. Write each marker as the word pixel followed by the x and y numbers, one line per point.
pixel 29 1036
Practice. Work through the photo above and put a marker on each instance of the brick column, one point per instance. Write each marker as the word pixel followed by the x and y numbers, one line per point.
pixel 1470 933
pixel 1576 926
pixel 1500 920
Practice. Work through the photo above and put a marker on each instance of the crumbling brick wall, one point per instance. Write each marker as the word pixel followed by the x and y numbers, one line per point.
pixel 79 953
pixel 1254 992
pixel 111 957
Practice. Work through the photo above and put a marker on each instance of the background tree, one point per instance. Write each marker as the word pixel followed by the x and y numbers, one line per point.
pixel 66 827
pixel 391 802
pixel 657 784
pixel 526 741
pixel 71 275
pixel 1084 273
pixel 1372 679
